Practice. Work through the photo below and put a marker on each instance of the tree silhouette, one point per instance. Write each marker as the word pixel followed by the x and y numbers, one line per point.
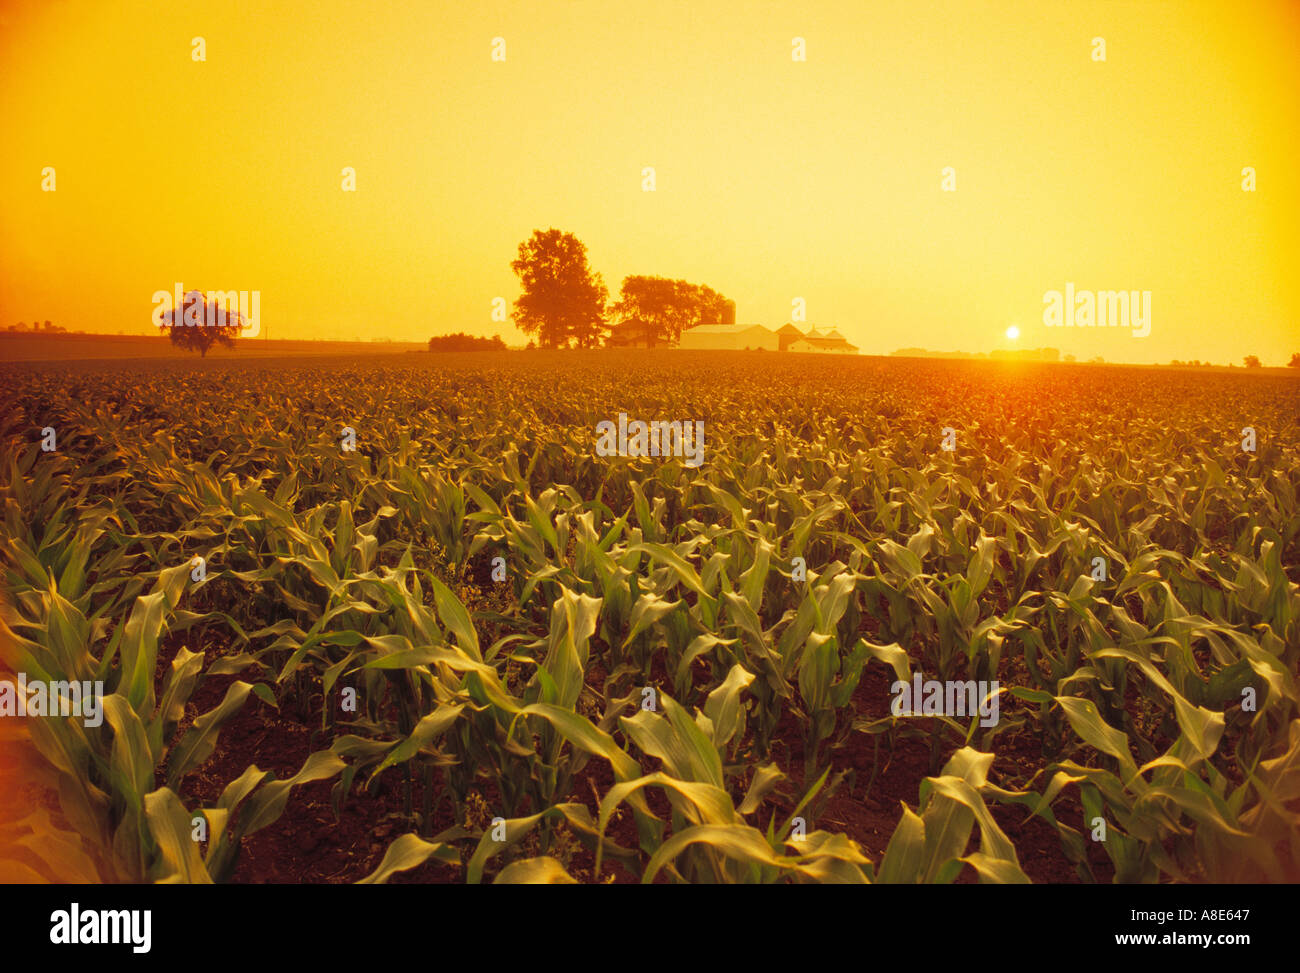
pixel 563 301
pixel 714 308
pixel 1295 360
pixel 1252 361
pixel 197 325
pixel 665 308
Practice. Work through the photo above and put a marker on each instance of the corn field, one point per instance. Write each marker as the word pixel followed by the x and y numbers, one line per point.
pixel 396 620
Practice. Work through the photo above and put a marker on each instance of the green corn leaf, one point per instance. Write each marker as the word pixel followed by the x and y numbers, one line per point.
pixel 406 852
pixel 172 828
pixel 200 740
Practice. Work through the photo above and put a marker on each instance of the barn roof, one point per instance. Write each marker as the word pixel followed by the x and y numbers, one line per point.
pixel 724 328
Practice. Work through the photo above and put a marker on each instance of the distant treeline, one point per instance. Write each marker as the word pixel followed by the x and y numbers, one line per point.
pixel 21 328
pixel 465 342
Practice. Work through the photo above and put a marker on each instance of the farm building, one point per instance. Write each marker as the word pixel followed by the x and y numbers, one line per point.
pixel 632 333
pixel 788 334
pixel 822 342
pixel 734 337
pixel 742 337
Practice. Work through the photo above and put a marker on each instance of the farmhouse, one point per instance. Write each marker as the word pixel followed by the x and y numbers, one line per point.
pixel 632 333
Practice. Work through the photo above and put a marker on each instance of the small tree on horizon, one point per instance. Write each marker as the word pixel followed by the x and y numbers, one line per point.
pixel 197 325
pixel 1295 360
pixel 1252 361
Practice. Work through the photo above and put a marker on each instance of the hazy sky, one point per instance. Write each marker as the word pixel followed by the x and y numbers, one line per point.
pixel 776 178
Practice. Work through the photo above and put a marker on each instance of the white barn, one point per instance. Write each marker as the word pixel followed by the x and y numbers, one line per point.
pixel 730 337
pixel 821 342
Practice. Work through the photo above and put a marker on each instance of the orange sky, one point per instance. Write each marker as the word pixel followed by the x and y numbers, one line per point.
pixel 775 179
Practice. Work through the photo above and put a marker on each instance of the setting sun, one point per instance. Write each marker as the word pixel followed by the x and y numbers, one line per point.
pixel 1013 332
